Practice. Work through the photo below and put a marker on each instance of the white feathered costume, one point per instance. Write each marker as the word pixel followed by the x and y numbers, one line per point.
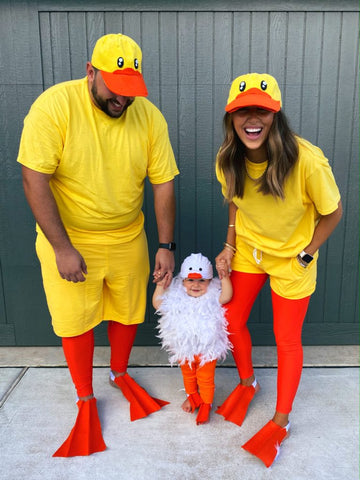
pixel 193 326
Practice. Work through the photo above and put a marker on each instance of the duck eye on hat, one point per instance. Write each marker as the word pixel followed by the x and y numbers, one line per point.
pixel 254 90
pixel 118 57
pixel 196 266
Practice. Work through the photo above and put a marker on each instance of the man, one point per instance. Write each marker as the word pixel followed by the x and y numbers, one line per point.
pixel 86 148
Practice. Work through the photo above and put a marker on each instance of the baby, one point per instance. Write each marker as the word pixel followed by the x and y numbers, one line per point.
pixel 192 327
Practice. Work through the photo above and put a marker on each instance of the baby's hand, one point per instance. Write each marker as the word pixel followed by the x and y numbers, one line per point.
pixel 165 281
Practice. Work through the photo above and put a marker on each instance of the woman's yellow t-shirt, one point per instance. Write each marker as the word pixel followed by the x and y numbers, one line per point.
pixel 279 227
pixel 98 163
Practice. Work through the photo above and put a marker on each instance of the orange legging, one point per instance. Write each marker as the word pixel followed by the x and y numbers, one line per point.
pixel 288 319
pixel 200 379
pixel 79 352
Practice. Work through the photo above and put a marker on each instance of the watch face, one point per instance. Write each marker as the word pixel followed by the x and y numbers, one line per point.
pixel 307 258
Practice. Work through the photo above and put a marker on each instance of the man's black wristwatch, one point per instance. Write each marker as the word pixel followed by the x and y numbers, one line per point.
pixel 169 246
pixel 305 258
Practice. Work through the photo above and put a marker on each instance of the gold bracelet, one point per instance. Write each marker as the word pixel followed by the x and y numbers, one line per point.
pixel 232 248
pixel 232 251
pixel 232 225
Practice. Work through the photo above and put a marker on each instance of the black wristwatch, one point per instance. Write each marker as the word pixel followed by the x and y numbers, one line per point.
pixel 169 246
pixel 305 257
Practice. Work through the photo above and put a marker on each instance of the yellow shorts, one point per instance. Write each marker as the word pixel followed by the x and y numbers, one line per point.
pixel 287 277
pixel 114 289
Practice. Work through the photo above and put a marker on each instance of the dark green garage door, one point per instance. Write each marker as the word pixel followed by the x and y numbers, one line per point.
pixel 190 58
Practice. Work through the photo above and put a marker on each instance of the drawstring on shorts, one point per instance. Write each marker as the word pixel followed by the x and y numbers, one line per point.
pixel 255 255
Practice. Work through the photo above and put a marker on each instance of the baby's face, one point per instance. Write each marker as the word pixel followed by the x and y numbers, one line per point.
pixel 195 287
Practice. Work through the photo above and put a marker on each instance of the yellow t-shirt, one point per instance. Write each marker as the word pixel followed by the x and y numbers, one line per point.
pixel 99 164
pixel 279 227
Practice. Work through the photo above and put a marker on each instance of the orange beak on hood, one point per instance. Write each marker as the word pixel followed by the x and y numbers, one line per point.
pixel 194 275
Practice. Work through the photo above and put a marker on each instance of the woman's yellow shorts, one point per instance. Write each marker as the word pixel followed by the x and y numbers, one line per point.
pixel 287 277
pixel 114 289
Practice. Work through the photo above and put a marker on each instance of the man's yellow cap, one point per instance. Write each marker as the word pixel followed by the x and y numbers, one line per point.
pixel 118 58
pixel 254 90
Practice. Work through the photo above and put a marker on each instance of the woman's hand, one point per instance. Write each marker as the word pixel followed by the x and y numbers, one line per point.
pixel 223 262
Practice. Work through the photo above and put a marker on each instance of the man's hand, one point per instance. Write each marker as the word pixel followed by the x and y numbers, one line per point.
pixel 71 265
pixel 164 267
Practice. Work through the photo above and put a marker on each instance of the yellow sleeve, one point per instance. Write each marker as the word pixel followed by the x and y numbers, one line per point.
pixel 162 165
pixel 321 186
pixel 41 142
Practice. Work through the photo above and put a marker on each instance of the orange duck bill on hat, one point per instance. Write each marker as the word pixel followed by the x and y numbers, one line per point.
pixel 254 97
pixel 127 82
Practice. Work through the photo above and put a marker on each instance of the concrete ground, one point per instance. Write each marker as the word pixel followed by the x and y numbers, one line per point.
pixel 38 410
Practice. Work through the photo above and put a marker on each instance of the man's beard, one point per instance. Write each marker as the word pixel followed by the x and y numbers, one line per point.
pixel 104 104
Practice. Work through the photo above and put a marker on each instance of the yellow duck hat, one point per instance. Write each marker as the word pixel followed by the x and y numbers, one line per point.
pixel 254 90
pixel 118 57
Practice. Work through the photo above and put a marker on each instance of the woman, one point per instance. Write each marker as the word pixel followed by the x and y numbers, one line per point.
pixel 283 205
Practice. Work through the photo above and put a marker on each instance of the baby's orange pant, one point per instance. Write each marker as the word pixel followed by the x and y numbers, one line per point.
pixel 200 379
pixel 288 318
pixel 79 353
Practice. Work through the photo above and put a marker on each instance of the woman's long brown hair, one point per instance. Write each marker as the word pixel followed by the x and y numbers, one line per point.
pixel 282 151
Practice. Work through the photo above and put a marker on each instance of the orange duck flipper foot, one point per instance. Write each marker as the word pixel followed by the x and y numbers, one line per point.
pixel 195 401
pixel 265 444
pixel 236 405
pixel 141 403
pixel 85 437
pixel 203 414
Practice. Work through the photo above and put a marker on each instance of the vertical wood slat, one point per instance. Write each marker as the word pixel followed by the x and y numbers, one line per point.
pixel 114 22
pixel 190 59
pixel 77 44
pixel 277 46
pixel 346 167
pixel 241 44
pixel 187 133
pixel 149 38
pixel 325 136
pixel 169 73
pixel 339 140
pixel 223 50
pixel 95 28
pixel 204 151
pixel 259 40
pixel 59 41
pixel 293 89
pixel 311 76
